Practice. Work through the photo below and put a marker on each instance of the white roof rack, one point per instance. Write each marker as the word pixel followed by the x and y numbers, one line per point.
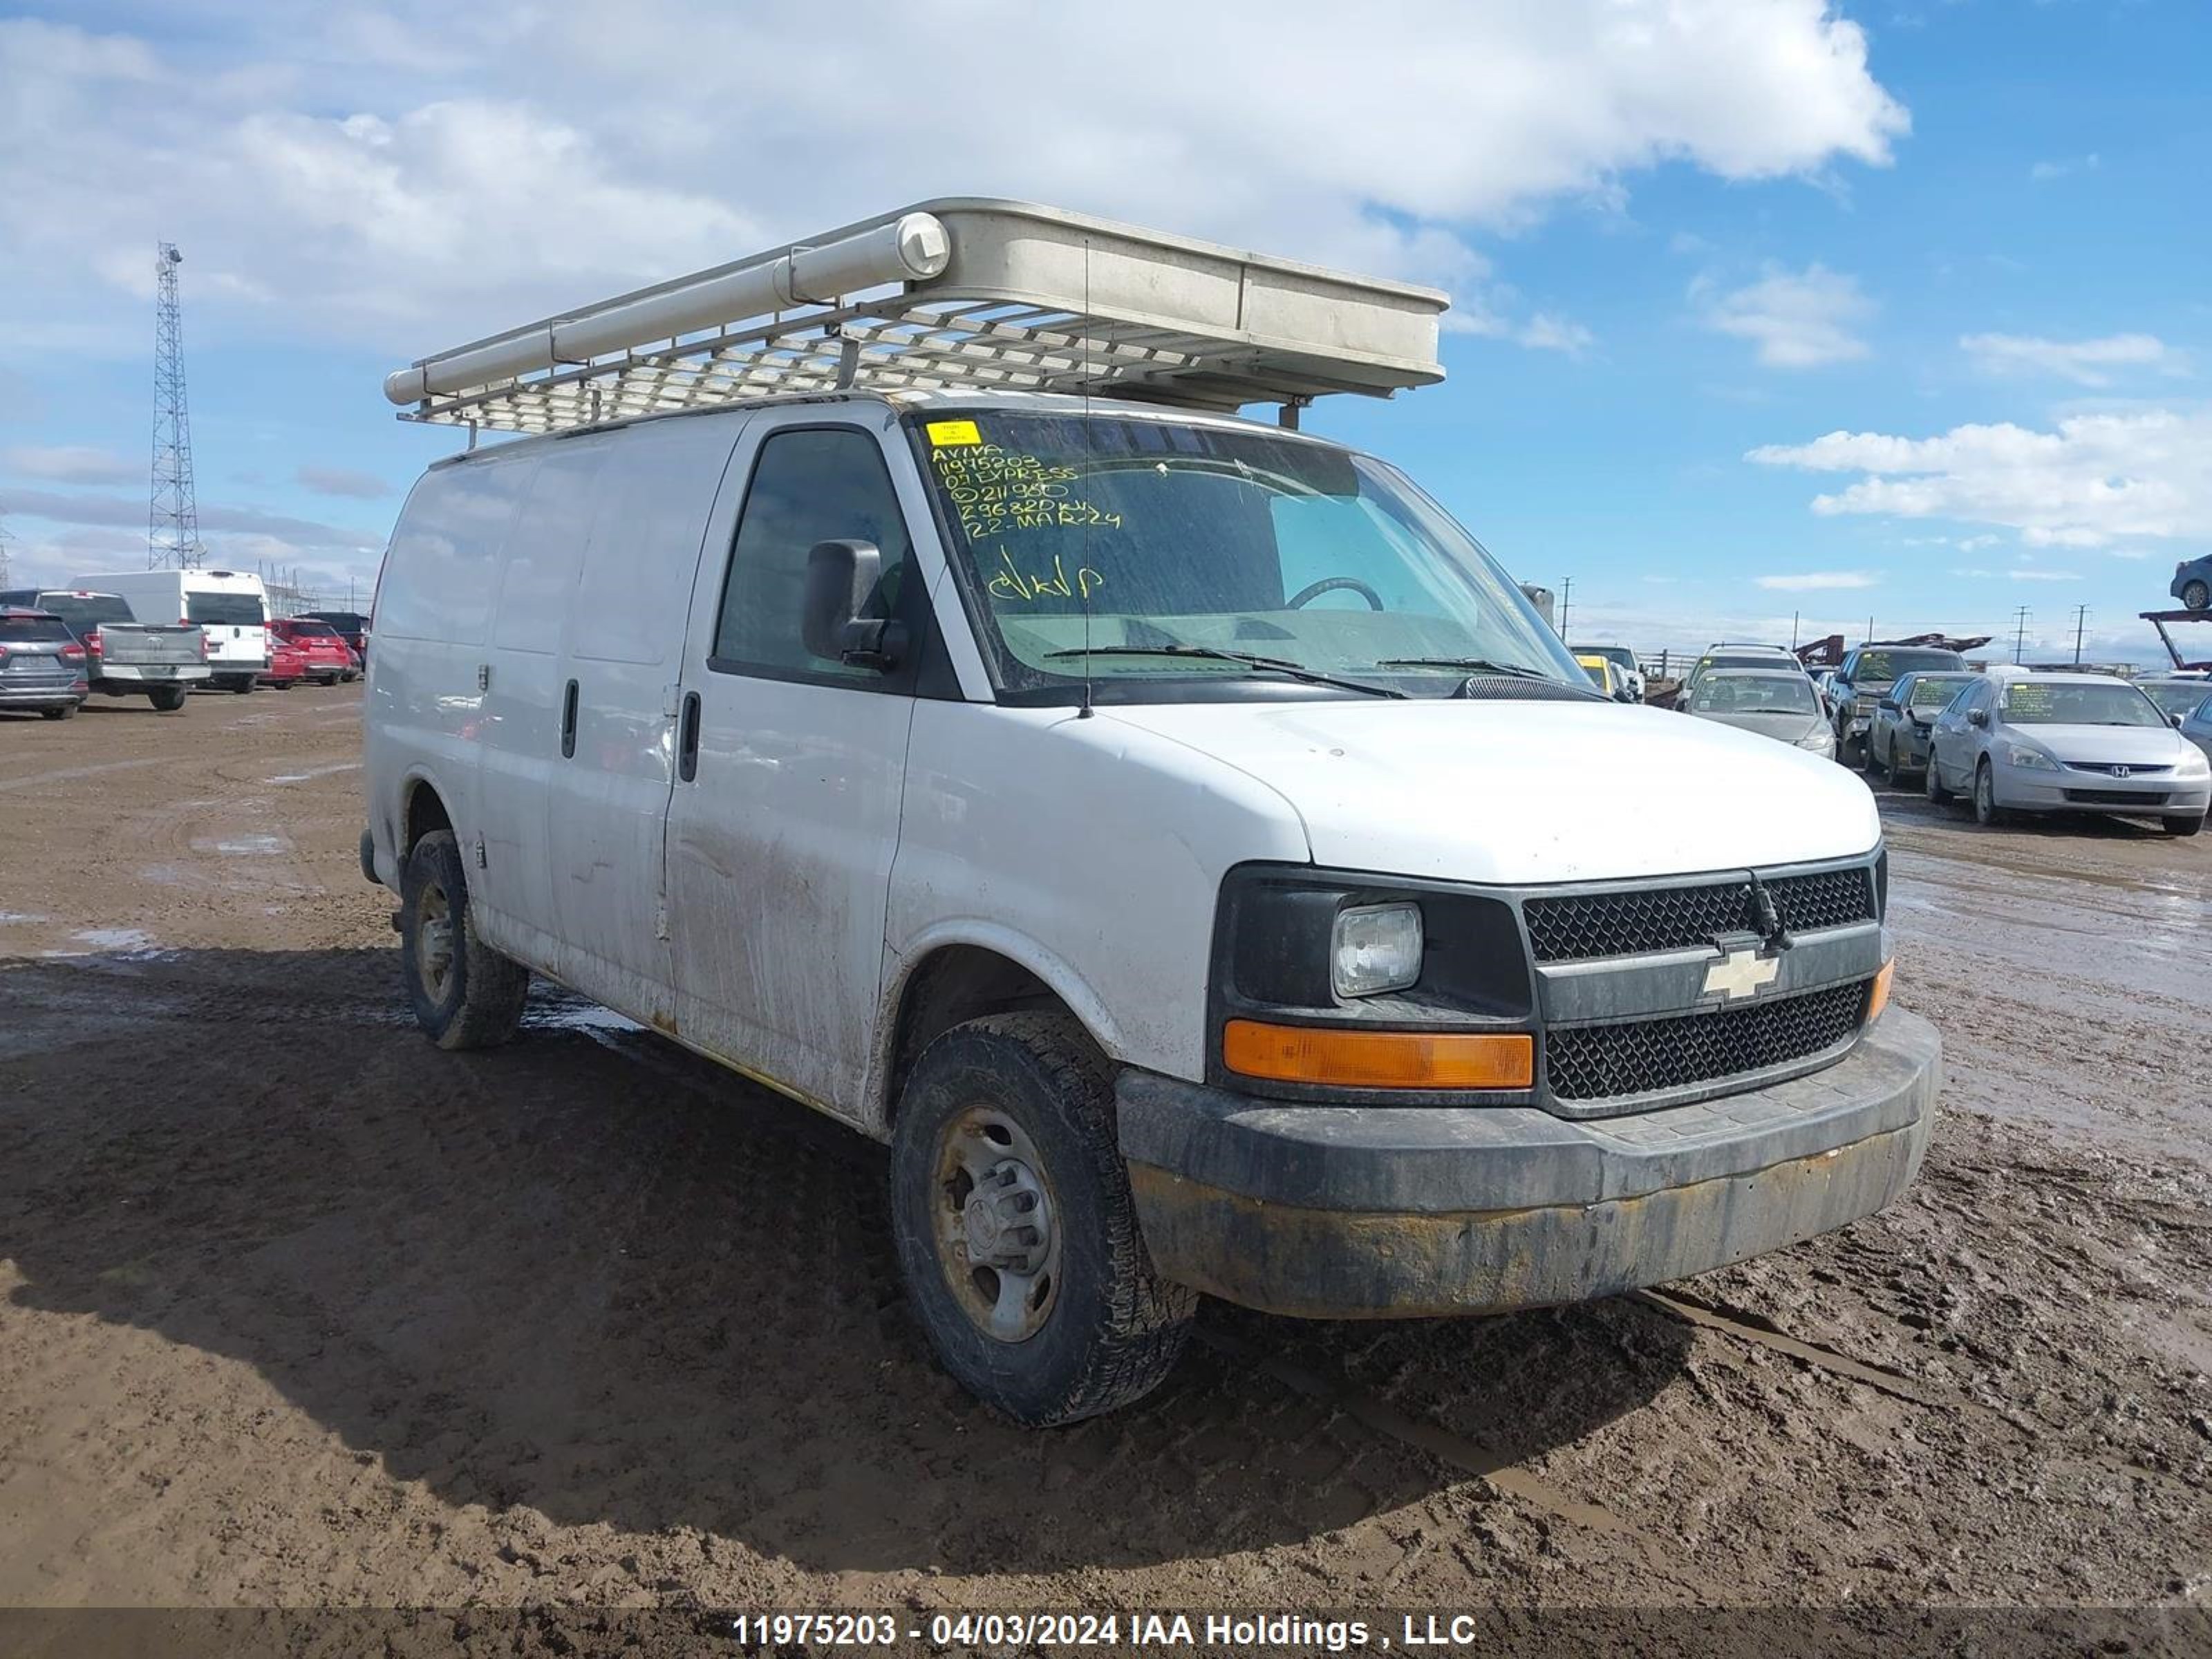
pixel 961 294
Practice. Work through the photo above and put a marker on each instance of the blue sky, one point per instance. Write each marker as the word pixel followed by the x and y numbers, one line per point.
pixel 1892 310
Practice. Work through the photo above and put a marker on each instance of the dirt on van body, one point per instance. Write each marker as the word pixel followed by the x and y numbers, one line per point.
pixel 298 1312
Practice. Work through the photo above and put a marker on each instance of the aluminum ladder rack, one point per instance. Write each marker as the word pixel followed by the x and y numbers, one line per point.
pixel 957 295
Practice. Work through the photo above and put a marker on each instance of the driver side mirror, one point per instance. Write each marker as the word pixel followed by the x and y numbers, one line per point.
pixel 840 578
pixel 1978 717
pixel 2174 720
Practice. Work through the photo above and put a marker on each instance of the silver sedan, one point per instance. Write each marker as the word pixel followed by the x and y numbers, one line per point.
pixel 2067 743
pixel 1775 702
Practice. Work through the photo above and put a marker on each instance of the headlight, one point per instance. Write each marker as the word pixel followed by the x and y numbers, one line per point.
pixel 1820 742
pixel 1374 948
pixel 2032 758
pixel 2192 760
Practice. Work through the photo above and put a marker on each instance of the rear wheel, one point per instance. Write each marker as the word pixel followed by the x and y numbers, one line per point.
pixel 1987 812
pixel 1872 763
pixel 1015 1232
pixel 242 683
pixel 2180 825
pixel 465 993
pixel 167 698
pixel 64 712
pixel 2196 595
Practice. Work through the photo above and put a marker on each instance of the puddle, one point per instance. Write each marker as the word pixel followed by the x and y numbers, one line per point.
pixel 245 846
pixel 314 772
pixel 113 939
pixel 17 919
pixel 578 1016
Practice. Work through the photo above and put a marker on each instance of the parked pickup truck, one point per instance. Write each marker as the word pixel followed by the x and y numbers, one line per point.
pixel 126 658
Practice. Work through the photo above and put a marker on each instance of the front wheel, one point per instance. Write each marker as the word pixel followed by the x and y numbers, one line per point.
pixel 1932 782
pixel 61 712
pixel 2183 824
pixel 1872 764
pixel 2198 596
pixel 465 993
pixel 1016 1233
pixel 1987 812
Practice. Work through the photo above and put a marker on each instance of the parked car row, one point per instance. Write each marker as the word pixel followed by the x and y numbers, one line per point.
pixel 112 637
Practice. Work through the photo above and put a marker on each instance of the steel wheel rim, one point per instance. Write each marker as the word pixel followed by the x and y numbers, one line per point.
pixel 434 939
pixel 995 1223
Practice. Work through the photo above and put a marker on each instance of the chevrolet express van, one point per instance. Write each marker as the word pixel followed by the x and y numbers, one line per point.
pixel 1173 834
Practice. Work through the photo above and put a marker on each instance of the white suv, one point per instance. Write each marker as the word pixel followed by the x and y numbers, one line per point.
pixel 1172 833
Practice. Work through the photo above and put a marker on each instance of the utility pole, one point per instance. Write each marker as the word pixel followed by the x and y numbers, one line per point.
pixel 2020 633
pixel 172 517
pixel 2080 621
pixel 1566 589
pixel 7 541
pixel 1793 630
pixel 1869 633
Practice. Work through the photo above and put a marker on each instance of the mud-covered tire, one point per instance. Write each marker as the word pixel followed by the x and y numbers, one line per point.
pixel 167 699
pixel 1113 1329
pixel 465 993
pixel 2182 823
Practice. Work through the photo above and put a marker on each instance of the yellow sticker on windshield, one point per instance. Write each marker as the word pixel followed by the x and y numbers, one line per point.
pixel 950 434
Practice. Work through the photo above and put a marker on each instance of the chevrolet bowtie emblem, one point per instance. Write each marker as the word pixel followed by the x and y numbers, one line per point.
pixel 1740 973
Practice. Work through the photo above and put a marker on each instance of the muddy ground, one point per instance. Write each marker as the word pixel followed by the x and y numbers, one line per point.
pixel 295 1310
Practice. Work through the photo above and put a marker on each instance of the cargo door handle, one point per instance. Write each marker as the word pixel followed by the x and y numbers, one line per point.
pixel 687 739
pixel 568 722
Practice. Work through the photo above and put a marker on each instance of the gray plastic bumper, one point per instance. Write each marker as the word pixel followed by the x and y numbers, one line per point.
pixel 1343 1211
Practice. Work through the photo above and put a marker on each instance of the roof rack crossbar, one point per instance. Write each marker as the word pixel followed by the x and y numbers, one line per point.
pixel 958 294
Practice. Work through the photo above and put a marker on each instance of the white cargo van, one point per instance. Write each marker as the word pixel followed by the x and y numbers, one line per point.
pixel 1172 833
pixel 229 606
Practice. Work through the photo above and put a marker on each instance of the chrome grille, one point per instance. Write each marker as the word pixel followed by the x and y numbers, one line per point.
pixel 1602 1062
pixel 1579 927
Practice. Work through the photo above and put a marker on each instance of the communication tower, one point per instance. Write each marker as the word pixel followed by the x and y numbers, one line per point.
pixel 173 522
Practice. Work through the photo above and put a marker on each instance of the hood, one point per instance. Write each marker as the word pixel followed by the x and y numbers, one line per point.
pixel 1787 727
pixel 1518 793
pixel 2126 745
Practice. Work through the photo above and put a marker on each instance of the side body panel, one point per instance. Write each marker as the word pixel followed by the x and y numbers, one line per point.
pixel 1089 851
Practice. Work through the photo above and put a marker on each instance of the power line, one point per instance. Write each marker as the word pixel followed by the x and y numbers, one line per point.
pixel 172 517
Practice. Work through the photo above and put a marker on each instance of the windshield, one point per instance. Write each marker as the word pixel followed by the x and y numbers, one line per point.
pixel 1877 667
pixel 225 609
pixel 1618 655
pixel 1755 693
pixel 2028 702
pixel 26 630
pixel 83 610
pixel 2178 696
pixel 1123 543
pixel 1600 675
pixel 1935 691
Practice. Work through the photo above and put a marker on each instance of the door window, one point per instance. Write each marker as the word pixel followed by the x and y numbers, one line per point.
pixel 816 485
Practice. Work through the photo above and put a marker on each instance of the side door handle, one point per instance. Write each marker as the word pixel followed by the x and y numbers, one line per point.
pixel 687 738
pixel 568 722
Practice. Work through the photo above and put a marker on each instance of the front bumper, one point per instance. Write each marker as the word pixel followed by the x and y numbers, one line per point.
pixel 1350 1211
pixel 2036 789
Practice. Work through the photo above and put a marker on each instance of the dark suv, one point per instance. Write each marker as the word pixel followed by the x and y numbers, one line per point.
pixel 42 666
pixel 351 626
pixel 1855 692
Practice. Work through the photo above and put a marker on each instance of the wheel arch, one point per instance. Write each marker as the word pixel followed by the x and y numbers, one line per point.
pixel 957 975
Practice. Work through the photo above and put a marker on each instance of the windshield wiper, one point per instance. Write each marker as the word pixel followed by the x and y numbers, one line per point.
pixel 1271 665
pixel 1474 666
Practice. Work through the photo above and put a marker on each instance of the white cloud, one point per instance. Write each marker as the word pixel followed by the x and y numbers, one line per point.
pixel 1806 581
pixel 2023 574
pixel 2044 172
pixel 342 481
pixel 2086 363
pixel 70 464
pixel 2095 478
pixel 1796 319
pixel 409 174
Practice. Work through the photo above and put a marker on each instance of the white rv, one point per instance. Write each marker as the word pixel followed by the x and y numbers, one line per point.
pixel 229 606
pixel 1171 833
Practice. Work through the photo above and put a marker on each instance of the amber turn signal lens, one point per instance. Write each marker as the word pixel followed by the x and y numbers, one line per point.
pixel 1879 1000
pixel 1378 1060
